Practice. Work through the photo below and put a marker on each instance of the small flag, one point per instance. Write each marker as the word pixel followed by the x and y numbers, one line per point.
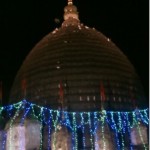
pixel 102 92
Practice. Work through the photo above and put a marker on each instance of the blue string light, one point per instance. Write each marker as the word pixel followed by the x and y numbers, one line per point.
pixel 75 136
pixel 95 129
pixel 120 130
pixel 103 117
pixel 83 130
pixel 91 132
pixel 146 115
pixel 41 128
pixel 25 114
pixel 115 130
pixel 4 135
pixel 128 128
pixel 144 120
pixel 49 131
pixel 120 122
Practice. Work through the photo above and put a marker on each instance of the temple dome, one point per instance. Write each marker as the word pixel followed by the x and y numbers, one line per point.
pixel 83 60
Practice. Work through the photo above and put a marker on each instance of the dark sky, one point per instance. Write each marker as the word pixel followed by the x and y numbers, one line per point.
pixel 23 23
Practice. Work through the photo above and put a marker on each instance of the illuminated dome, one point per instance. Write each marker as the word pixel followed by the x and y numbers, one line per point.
pixel 91 70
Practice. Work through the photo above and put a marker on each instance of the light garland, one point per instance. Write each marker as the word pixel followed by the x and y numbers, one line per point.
pixel 49 131
pixel 55 125
pixel 146 115
pixel 83 130
pixel 103 128
pixel 27 109
pixel 128 128
pixel 11 124
pixel 41 128
pixel 95 133
pixel 116 131
pixel 120 122
pixel 120 130
pixel 91 132
pixel 75 136
pixel 25 103
pixel 139 130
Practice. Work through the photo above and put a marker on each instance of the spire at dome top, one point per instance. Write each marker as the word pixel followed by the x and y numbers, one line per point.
pixel 70 11
pixel 70 2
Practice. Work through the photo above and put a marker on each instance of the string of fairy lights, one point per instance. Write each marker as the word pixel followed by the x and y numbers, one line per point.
pixel 121 123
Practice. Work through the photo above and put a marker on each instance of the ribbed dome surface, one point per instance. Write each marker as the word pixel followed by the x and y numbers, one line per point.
pixel 82 59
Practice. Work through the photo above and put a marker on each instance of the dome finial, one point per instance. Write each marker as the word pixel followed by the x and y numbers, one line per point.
pixel 70 11
pixel 70 2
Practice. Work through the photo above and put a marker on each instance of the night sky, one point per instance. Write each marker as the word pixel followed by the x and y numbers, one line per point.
pixel 23 23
